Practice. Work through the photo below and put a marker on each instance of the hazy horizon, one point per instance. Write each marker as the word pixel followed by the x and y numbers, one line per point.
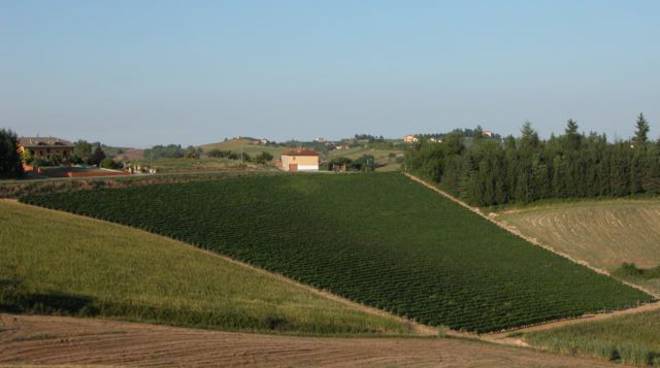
pixel 139 73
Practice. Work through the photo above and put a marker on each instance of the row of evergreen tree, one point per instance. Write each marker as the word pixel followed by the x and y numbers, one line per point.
pixel 527 168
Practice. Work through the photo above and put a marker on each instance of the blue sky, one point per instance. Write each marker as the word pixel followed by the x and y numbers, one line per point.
pixel 138 73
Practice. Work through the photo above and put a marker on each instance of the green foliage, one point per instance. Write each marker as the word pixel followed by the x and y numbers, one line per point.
pixel 365 163
pixel 97 156
pixel 217 153
pixel 160 151
pixel 339 163
pixel 264 158
pixel 641 131
pixel 113 272
pixel 631 271
pixel 193 152
pixel 528 169
pixel 631 339
pixel 82 152
pixel 109 163
pixel 10 159
pixel 379 239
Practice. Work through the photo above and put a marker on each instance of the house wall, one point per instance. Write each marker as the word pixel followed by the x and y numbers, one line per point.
pixel 48 151
pixel 305 163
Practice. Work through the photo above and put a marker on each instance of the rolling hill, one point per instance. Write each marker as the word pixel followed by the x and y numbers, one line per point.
pixel 54 262
pixel 379 239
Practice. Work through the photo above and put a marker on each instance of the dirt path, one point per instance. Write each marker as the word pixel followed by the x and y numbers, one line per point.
pixel 64 341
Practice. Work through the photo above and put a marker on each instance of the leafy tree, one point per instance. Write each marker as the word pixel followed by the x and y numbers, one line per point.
pixel 364 163
pixel 193 152
pixel 339 163
pixel 109 163
pixel 82 152
pixel 245 157
pixel 10 159
pixel 97 156
pixel 160 151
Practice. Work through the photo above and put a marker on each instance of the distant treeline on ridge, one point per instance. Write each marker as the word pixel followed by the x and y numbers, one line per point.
pixel 527 168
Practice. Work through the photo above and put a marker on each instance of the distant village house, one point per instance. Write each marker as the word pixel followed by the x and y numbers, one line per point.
pixel 409 139
pixel 300 160
pixel 45 147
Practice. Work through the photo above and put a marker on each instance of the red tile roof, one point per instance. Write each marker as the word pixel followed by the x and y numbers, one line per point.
pixel 300 152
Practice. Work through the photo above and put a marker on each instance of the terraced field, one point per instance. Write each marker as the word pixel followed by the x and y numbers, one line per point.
pixel 605 234
pixel 379 239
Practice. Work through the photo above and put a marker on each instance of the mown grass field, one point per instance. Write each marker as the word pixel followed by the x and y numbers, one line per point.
pixel 244 145
pixel 54 262
pixel 381 156
pixel 631 339
pixel 605 233
pixel 185 165
pixel 379 239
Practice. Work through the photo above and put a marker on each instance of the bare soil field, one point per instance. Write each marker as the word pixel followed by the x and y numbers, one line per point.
pixel 603 234
pixel 65 341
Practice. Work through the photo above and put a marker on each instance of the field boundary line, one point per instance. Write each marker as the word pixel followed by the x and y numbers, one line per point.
pixel 518 233
pixel 416 327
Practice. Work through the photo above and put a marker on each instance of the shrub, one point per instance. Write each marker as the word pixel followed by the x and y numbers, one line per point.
pixel 109 163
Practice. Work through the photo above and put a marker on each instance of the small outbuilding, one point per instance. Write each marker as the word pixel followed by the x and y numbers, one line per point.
pixel 300 160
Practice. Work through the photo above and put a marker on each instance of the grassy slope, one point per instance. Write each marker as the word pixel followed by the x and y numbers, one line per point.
pixel 61 261
pixel 235 145
pixel 380 239
pixel 632 339
pixel 381 155
pixel 603 233
pixel 180 165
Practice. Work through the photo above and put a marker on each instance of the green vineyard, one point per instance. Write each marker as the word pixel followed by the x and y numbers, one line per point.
pixel 379 239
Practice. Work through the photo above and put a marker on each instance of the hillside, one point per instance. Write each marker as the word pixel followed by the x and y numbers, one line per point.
pixel 385 157
pixel 244 145
pixel 54 262
pixel 605 234
pixel 379 239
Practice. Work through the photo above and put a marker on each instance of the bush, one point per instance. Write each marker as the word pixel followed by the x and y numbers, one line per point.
pixel 264 157
pixel 219 153
pixel 109 163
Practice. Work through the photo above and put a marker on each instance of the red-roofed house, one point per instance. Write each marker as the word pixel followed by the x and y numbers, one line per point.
pixel 300 160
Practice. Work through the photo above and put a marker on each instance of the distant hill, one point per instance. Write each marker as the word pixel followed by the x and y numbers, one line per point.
pixel 247 145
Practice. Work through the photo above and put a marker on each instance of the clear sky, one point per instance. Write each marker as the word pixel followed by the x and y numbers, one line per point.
pixel 138 73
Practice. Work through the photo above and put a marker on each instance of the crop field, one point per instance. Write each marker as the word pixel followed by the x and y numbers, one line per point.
pixel 379 239
pixel 57 263
pixel 605 234
pixel 630 339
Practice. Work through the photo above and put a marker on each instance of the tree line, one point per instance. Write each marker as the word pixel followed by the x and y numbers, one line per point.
pixel 526 168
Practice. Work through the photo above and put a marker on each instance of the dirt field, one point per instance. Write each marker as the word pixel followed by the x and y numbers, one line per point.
pixel 38 340
pixel 602 233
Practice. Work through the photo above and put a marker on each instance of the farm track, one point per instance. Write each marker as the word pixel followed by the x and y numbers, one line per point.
pixel 74 342
pixel 417 328
pixel 502 337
